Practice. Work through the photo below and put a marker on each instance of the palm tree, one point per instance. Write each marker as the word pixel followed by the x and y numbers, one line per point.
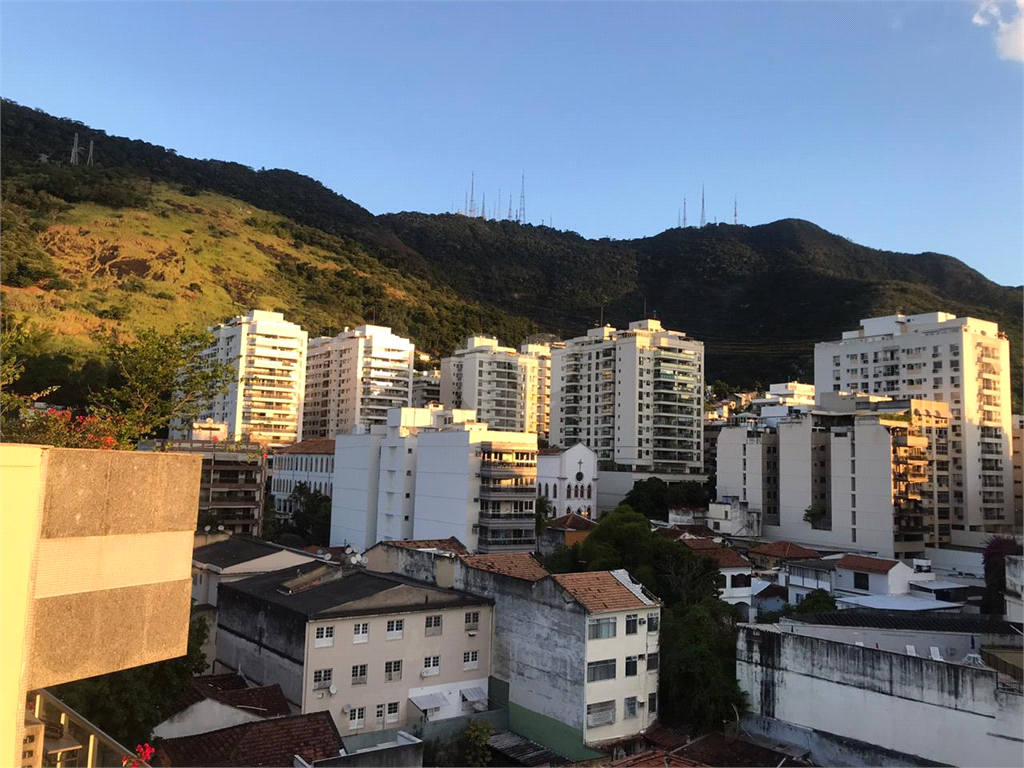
pixel 542 511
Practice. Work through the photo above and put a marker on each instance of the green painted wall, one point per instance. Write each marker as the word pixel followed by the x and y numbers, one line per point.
pixel 550 733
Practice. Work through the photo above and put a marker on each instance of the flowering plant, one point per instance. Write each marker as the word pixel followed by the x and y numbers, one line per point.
pixel 143 752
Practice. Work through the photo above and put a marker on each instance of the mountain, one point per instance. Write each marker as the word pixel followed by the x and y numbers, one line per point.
pixel 147 237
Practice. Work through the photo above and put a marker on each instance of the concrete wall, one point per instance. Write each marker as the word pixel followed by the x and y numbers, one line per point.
pixel 956 560
pixel 430 567
pixel 933 710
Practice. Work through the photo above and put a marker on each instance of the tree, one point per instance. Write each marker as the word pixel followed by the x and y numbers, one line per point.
pixel 312 517
pixel 653 497
pixel 159 379
pixel 129 704
pixel 472 744
pixel 543 511
pixel 816 601
pixel 993 558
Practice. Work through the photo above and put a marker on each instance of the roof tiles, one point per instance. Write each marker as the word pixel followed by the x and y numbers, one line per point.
pixel 869 564
pixel 317 445
pixel 723 556
pixel 602 591
pixel 572 522
pixel 518 565
pixel 783 549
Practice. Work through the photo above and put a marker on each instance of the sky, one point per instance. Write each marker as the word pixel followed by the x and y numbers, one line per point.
pixel 896 125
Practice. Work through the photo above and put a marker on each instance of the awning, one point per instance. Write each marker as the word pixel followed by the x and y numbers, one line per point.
pixel 427 701
pixel 474 694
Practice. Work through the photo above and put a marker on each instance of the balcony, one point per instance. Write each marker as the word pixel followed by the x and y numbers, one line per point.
pixel 67 738
pixel 507 491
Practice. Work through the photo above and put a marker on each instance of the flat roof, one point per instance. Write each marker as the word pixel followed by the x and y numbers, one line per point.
pixel 969 623
pixel 235 550
pixel 896 602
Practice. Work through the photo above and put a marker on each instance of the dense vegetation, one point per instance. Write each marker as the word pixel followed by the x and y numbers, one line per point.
pixel 331 263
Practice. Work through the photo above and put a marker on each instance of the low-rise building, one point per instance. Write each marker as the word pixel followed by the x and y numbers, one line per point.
pixel 213 702
pixel 376 651
pixel 568 479
pixel 801 577
pixel 773 554
pixel 734 572
pixel 565 531
pixel 1014 588
pixel 310 462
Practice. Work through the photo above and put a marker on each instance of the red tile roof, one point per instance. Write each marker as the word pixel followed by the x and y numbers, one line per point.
pixel 784 549
pixel 656 758
pixel 262 743
pixel 601 591
pixel 450 544
pixel 665 738
pixel 519 565
pixel 716 749
pixel 318 445
pixel 231 689
pixel 869 564
pixel 723 556
pixel 572 522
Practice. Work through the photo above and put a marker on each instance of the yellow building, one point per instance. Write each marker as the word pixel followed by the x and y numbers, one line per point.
pixel 97 554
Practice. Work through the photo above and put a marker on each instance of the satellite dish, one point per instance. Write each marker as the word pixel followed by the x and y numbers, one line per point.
pixel 207 529
pixel 327 556
pixel 349 550
pixel 353 559
pixel 220 527
pixel 364 559
pixel 333 689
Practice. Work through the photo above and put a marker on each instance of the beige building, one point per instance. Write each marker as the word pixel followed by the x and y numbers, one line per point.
pixel 497 382
pixel 542 354
pixel 264 405
pixel 376 651
pixel 355 378
pixel 79 531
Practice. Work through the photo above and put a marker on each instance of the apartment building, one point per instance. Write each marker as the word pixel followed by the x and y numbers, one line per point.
pixel 426 388
pixel 635 397
pixel 83 594
pixel 310 462
pixel 264 404
pixel 232 485
pixel 434 473
pixel 1018 473
pixel 355 378
pixel 497 382
pixel 963 362
pixel 541 352
pixel 375 650
pixel 859 473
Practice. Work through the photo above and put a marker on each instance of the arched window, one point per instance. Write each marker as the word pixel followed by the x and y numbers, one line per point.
pixel 555 489
pixel 589 489
pixel 568 491
pixel 546 489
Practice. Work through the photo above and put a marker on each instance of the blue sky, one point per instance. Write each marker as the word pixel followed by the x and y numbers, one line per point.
pixel 897 125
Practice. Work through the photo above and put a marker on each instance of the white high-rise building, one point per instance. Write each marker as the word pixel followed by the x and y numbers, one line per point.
pixel 355 378
pixel 542 353
pixel 433 473
pixel 859 473
pixel 635 397
pixel 426 388
pixel 264 405
pixel 964 362
pixel 497 382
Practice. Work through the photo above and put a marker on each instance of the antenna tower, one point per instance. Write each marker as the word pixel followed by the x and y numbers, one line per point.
pixel 88 160
pixel 521 216
pixel 497 208
pixel 684 211
pixel 679 217
pixel 703 219
pixel 472 200
pixel 735 212
pixel 75 150
pixel 510 206
pixel 483 205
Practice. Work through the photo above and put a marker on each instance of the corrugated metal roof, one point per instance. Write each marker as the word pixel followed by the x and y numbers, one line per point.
pixel 523 751
pixel 922 622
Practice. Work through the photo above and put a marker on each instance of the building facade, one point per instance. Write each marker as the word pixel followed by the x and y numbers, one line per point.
pixel 541 352
pixel 568 479
pixel 635 397
pixel 426 388
pixel 1018 473
pixel 431 474
pixel 963 362
pixel 497 382
pixel 264 403
pixel 355 378
pixel 310 462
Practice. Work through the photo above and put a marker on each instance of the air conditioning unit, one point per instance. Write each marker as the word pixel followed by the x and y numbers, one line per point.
pixel 641 704
pixel 472 634
pixel 641 656
pixel 642 622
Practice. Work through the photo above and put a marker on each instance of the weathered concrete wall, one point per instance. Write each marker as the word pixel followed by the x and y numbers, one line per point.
pixel 430 567
pixel 933 710
pixel 953 646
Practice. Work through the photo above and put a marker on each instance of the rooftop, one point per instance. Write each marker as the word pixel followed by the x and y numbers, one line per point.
pixel 814 564
pixel 450 544
pixel 897 602
pixel 656 758
pixel 235 550
pixel 717 749
pixel 321 590
pixel 262 743
pixel 231 689
pixel 869 564
pixel 518 565
pixel 919 622
pixel 605 591
pixel 572 522
pixel 523 751
pixel 317 445
pixel 784 549
pixel 725 557
pixel 680 529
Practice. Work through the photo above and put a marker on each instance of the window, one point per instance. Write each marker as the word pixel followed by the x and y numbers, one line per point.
pixel 380 711
pixel 601 713
pixel 392 671
pixel 600 670
pixel 472 620
pixel 470 660
pixel 598 629
pixel 358 674
pixel 860 581
pixel 652 703
pixel 653 620
pixel 361 633
pixel 631 666
pixel 431 666
pixel 433 626
pixel 324 637
pixel 652 662
pixel 356 718
pixel 322 678
pixel 393 712
pixel 395 628
pixel 629 708
pixel 631 623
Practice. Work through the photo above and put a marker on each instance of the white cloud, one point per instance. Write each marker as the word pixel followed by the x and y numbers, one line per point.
pixel 1009 35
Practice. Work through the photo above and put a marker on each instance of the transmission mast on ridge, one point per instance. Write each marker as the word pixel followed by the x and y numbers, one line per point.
pixel 703 219
pixel 472 201
pixel 483 205
pixel 75 150
pixel 684 211
pixel 735 212
pixel 521 216
pixel 510 206
pixel 88 160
